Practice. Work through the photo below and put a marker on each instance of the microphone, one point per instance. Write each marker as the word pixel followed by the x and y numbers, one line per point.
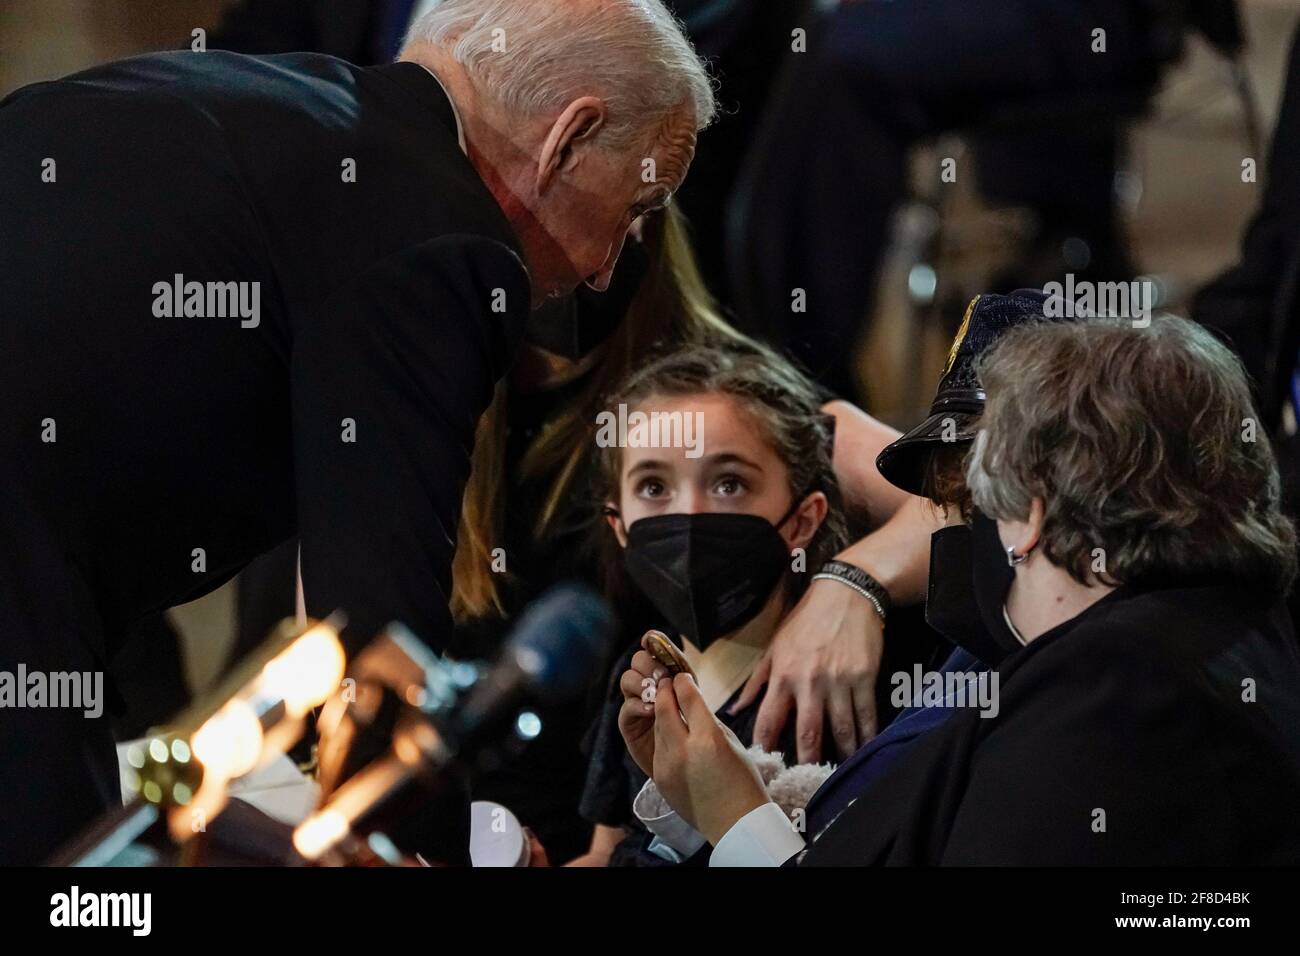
pixel 551 657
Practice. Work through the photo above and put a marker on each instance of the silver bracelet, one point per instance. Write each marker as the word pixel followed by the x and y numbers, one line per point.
pixel 875 601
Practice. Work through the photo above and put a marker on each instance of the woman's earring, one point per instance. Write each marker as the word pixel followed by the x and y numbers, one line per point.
pixel 1013 559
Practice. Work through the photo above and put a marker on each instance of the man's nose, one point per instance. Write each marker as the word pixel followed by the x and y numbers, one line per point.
pixel 599 281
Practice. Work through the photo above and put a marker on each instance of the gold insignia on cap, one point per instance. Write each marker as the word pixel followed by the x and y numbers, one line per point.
pixel 961 335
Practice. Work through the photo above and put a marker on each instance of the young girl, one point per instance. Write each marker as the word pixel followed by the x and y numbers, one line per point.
pixel 720 535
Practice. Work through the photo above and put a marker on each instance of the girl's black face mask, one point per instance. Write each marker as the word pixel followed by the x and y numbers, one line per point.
pixel 969 580
pixel 708 574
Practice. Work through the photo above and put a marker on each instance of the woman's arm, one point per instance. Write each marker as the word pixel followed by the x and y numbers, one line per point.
pixel 859 438
pixel 897 554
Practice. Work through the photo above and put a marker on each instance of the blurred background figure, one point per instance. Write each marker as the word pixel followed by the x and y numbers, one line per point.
pixel 1255 304
pixel 1044 90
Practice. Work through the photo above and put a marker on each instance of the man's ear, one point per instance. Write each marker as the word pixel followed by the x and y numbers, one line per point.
pixel 807 519
pixel 615 521
pixel 578 123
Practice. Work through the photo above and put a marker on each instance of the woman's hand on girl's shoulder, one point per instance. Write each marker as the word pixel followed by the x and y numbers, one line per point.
pixel 822 664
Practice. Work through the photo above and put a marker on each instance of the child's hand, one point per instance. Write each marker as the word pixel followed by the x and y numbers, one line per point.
pixel 700 767
pixel 636 718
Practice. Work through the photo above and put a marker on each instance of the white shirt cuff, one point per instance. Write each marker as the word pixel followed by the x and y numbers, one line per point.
pixel 664 822
pixel 762 837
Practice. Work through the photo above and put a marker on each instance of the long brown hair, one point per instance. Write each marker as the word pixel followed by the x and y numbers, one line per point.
pixel 671 306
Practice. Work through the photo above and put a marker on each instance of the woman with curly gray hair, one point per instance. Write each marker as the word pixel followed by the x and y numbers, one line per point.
pixel 1151 714
pixel 1113 455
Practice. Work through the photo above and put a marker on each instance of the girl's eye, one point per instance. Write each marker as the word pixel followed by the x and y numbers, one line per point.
pixel 729 486
pixel 650 488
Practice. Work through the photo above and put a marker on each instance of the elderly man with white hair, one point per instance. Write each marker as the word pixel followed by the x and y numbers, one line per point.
pixel 247 298
pixel 578 115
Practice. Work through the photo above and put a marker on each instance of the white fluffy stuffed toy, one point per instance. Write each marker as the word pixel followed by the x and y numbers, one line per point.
pixel 789 787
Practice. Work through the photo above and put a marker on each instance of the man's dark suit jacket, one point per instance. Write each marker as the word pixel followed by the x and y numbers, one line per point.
pixel 377 305
pixel 388 308
pixel 1157 728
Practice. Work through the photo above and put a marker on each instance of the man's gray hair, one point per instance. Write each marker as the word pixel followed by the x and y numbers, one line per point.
pixel 535 57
